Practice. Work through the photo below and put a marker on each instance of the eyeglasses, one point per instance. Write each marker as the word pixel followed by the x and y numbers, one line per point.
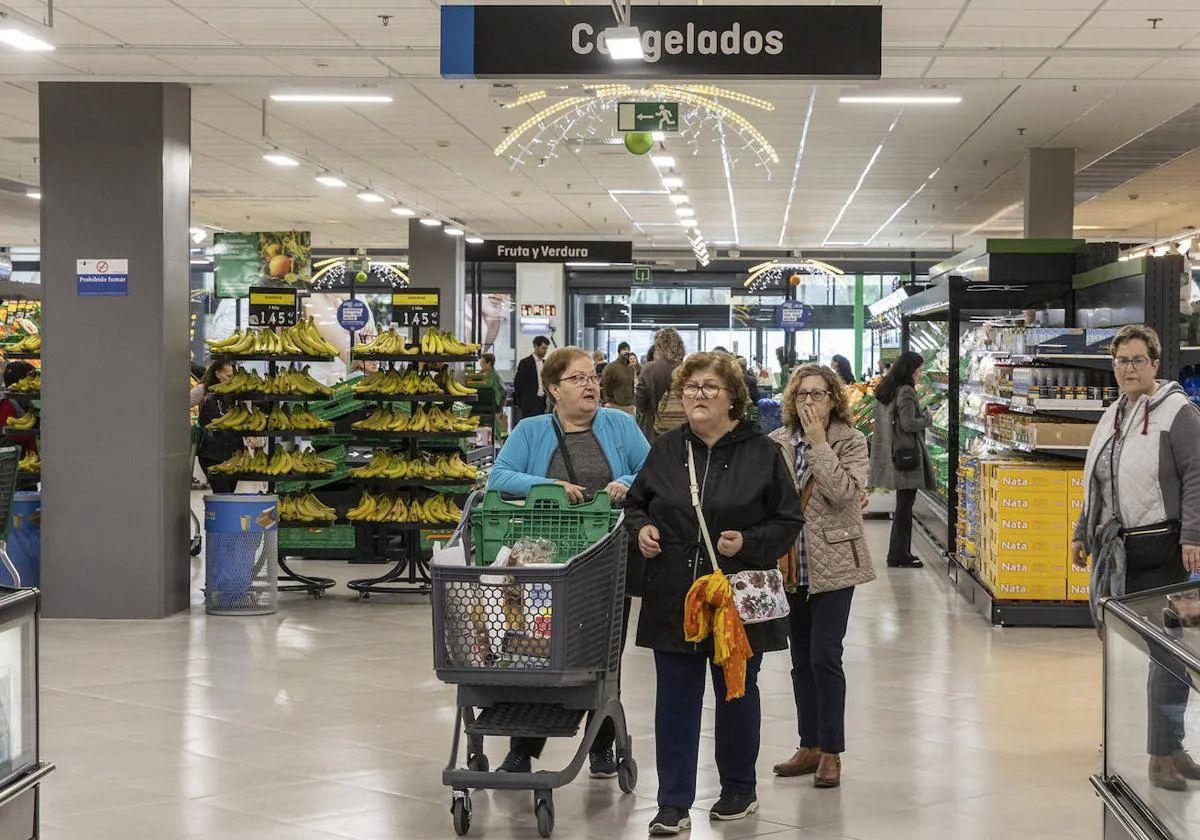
pixel 707 390
pixel 581 380
pixel 812 396
pixel 1136 363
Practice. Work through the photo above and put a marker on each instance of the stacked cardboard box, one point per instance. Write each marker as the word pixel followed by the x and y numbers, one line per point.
pixel 1027 527
pixel 1078 583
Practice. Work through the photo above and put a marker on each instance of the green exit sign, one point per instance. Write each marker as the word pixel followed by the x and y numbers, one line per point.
pixel 648 116
pixel 641 274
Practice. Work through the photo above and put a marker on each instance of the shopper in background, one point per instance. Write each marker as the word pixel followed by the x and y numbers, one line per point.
pixel 529 394
pixel 618 380
pixel 659 407
pixel 899 460
pixel 598 358
pixel 216 447
pixel 829 460
pixel 750 379
pixel 750 505
pixel 586 449
pixel 842 365
pixel 1141 521
pixel 487 366
pixel 14 372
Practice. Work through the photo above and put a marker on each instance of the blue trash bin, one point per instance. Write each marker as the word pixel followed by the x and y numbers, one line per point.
pixel 25 539
pixel 241 552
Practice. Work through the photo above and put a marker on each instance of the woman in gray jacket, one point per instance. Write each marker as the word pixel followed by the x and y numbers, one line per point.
pixel 900 425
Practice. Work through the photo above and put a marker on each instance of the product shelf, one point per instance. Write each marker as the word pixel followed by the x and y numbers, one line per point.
pixel 276 357
pixel 415 483
pixel 1008 613
pixel 36 431
pixel 367 434
pixel 374 396
pixel 284 434
pixel 420 357
pixel 285 477
pixel 258 396
pixel 9 355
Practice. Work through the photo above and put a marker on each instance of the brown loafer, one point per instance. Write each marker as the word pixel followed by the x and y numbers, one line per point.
pixel 1165 775
pixel 829 771
pixel 803 763
pixel 1185 764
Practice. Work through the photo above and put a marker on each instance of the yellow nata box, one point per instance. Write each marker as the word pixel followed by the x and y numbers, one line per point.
pixel 1046 503
pixel 1031 524
pixel 1014 568
pixel 1078 583
pixel 1030 589
pixel 1011 478
pixel 1030 547
pixel 1076 484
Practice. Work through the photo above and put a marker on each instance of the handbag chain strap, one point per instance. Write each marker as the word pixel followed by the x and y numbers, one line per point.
pixel 691 461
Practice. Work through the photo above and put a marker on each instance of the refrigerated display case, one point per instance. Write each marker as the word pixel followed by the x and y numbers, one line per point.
pixel 1151 674
pixel 21 767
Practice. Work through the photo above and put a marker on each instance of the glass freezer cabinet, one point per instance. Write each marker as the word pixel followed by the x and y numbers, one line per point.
pixel 1149 784
pixel 21 769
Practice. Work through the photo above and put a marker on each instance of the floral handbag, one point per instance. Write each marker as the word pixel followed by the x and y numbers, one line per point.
pixel 757 593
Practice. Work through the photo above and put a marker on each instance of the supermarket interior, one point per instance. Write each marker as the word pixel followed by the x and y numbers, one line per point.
pixel 423 326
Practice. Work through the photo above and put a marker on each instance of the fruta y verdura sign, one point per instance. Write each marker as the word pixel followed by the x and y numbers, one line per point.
pixel 550 251
pixel 799 42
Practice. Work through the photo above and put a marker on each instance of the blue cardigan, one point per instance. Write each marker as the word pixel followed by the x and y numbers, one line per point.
pixel 526 455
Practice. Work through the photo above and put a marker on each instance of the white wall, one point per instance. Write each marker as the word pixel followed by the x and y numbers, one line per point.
pixel 541 283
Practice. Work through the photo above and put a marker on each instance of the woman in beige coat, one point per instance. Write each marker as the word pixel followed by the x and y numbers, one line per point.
pixel 829 459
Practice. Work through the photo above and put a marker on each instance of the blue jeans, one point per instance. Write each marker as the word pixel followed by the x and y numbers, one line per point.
pixel 680 698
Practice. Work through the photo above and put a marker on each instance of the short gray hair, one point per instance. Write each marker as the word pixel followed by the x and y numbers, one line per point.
pixel 1134 332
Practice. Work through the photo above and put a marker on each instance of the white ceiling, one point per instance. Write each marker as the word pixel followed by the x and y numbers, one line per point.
pixel 1088 74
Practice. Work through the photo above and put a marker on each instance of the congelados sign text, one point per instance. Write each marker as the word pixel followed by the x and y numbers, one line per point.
pixel 687 41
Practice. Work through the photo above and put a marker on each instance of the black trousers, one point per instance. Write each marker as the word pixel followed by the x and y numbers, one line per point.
pixel 818 628
pixel 1152 562
pixel 607 735
pixel 679 702
pixel 900 547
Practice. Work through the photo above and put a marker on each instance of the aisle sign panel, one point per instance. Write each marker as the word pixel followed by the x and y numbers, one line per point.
pixel 647 116
pixel 550 251
pixel 793 314
pixel 101 277
pixel 678 42
pixel 417 307
pixel 353 314
pixel 271 307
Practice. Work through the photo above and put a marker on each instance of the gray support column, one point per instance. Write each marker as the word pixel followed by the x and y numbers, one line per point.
pixel 436 260
pixel 1050 194
pixel 115 171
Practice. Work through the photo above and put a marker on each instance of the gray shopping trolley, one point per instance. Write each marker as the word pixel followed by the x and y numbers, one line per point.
pixel 532 649
pixel 10 456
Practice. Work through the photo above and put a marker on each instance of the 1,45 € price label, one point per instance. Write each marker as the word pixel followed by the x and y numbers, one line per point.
pixel 272 307
pixel 416 307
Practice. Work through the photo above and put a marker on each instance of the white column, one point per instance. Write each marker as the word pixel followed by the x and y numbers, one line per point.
pixel 542 283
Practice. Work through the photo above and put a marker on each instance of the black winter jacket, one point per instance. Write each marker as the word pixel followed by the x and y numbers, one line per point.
pixel 744 486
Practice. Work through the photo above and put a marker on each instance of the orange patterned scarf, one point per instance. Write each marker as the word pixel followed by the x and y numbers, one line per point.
pixel 709 608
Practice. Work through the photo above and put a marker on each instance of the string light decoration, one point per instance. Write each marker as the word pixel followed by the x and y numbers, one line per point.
pixel 331 274
pixel 592 116
pixel 770 274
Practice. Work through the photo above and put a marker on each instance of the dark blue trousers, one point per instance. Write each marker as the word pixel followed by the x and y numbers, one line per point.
pixel 680 698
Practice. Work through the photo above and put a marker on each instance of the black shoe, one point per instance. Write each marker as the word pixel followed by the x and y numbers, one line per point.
pixel 603 764
pixel 516 762
pixel 669 820
pixel 910 563
pixel 734 806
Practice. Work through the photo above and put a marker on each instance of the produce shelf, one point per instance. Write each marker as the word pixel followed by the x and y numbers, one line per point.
pixel 33 395
pixel 10 355
pixel 421 357
pixel 368 434
pixel 36 431
pixel 375 396
pixel 258 396
pixel 415 483
pixel 1006 613
pixel 308 526
pixel 268 357
pixel 276 478
pixel 406 526
pixel 275 433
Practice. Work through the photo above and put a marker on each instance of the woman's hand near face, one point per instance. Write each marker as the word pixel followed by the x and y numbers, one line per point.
pixel 813 425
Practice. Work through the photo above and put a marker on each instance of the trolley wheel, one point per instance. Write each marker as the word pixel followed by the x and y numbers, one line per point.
pixel 477 762
pixel 627 774
pixel 544 811
pixel 460 810
pixel 318 594
pixel 364 596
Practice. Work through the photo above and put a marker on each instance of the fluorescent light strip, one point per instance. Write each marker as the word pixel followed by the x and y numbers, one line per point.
pixel 900 99
pixel 728 181
pixel 866 171
pixel 24 41
pixel 986 222
pixel 896 213
pixel 663 161
pixel 332 97
pixel 638 192
pixel 812 98
pixel 280 159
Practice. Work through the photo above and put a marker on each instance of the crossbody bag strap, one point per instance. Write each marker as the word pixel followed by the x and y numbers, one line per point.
pixel 695 489
pixel 566 453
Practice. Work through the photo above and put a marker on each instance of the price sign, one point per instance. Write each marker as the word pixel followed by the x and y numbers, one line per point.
pixel 416 307
pixel 793 315
pixel 272 307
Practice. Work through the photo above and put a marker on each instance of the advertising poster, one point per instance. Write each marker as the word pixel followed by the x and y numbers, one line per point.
pixel 278 258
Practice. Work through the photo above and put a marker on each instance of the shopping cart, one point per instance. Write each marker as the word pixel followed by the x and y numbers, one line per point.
pixel 533 649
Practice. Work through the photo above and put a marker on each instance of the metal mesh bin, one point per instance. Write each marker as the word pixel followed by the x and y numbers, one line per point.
pixel 240 573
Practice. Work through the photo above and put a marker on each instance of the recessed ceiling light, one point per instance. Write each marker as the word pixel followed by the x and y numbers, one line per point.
pixel 474 240
pixel 22 40
pixel 454 231
pixel 658 136
pixel 679 198
pixel 35 194
pixel 688 223
pixel 673 182
pixel 663 161
pixel 280 159
pixel 624 43
pixel 684 212
pixel 328 179
pixel 370 196
pixel 589 265
pixel 432 222
pixel 901 99
pixel 333 96
pixel 198 234
pixel 403 211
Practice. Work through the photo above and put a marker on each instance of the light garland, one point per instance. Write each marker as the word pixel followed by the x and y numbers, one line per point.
pixel 767 274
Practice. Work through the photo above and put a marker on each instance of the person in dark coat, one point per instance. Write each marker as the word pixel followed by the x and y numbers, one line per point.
pixel 753 514
pixel 529 395
pixel 750 379
pixel 216 447
pixel 900 423
pixel 842 366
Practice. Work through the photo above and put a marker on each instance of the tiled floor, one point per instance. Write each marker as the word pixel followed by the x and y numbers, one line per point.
pixel 326 721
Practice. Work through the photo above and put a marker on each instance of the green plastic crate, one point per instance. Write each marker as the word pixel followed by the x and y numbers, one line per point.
pixel 545 514
pixel 332 536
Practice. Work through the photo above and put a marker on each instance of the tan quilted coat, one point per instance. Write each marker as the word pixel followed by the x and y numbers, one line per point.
pixel 832 490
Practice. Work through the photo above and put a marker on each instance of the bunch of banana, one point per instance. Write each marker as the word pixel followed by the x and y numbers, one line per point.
pixel 438 419
pixel 240 419
pixel 435 342
pixel 307 461
pixel 30 463
pixel 453 467
pixel 24 423
pixel 304 507
pixel 296 382
pixel 31 384
pixel 392 382
pixel 390 342
pixel 436 508
pixel 382 420
pixel 384 464
pixel 244 461
pixel 453 387
pixel 384 507
pixel 279 464
pixel 302 339
pixel 301 419
pixel 31 343
pixel 242 382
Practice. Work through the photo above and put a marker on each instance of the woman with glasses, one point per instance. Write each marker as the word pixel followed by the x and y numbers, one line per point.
pixel 586 449
pixel 829 460
pixel 753 515
pixel 1141 519
pixel 899 460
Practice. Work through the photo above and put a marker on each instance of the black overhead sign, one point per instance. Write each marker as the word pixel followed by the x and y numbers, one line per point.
pixel 550 251
pixel 799 42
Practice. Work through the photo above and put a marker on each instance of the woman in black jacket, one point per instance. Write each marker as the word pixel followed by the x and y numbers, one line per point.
pixel 216 447
pixel 753 515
